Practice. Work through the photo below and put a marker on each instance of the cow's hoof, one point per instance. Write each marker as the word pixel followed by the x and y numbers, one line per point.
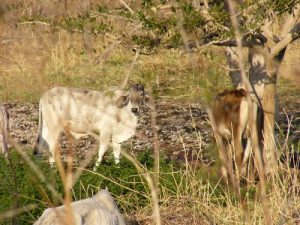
pixel 53 165
pixel 96 166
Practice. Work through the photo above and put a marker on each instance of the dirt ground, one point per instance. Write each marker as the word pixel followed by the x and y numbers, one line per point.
pixel 183 128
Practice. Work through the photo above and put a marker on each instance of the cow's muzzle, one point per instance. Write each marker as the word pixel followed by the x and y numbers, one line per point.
pixel 134 110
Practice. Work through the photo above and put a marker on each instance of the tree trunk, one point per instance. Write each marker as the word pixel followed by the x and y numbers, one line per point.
pixel 258 78
pixel 234 72
pixel 263 72
pixel 269 152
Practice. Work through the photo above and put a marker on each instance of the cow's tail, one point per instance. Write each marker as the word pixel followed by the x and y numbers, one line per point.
pixel 38 143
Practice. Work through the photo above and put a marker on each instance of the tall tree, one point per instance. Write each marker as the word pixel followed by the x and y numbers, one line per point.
pixel 266 49
pixel 268 27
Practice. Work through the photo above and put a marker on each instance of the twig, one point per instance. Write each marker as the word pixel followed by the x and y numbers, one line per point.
pixel 68 182
pixel 35 169
pixel 248 87
pixel 156 147
pixel 106 53
pixel 16 211
pixel 131 68
pixel 83 165
pixel 15 185
pixel 183 34
pixel 149 180
pixel 34 22
pixel 96 14
pixel 127 7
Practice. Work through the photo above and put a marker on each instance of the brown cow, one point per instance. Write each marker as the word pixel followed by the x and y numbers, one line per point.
pixel 230 113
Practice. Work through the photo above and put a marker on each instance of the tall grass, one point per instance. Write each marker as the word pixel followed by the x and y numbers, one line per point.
pixel 37 58
pixel 188 194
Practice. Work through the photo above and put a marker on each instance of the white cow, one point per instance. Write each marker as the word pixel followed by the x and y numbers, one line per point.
pixel 4 128
pixel 85 112
pixel 97 210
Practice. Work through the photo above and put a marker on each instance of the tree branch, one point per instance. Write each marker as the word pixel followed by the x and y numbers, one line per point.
pixel 290 37
pixel 248 40
pixel 290 31
pixel 291 21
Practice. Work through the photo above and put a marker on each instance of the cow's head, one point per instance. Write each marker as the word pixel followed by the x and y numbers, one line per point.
pixel 135 97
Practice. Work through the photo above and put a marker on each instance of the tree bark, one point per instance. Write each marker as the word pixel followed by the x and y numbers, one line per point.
pixel 270 107
pixel 258 77
pixel 269 152
pixel 234 71
pixel 263 72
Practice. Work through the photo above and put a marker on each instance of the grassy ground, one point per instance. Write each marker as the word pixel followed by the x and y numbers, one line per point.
pixel 169 73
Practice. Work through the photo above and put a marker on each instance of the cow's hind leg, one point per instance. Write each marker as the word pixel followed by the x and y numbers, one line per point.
pixel 238 151
pixel 247 153
pixel 51 139
pixel 225 156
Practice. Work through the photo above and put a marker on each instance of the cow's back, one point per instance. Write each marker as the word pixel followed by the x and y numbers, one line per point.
pixel 82 110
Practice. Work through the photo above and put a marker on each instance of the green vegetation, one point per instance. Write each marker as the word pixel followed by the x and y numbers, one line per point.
pixel 29 189
pixel 21 186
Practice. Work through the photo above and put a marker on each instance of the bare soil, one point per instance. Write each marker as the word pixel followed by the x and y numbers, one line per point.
pixel 183 129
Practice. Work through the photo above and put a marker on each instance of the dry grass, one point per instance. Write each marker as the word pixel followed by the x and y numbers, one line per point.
pixel 35 57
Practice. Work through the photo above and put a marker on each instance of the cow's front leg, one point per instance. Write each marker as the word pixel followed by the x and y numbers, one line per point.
pixel 101 152
pixel 117 151
pixel 3 144
pixel 104 141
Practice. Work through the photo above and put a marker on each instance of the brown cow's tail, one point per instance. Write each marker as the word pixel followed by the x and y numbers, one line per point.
pixel 38 143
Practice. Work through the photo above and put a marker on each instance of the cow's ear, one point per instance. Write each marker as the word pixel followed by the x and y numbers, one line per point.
pixel 148 101
pixel 122 101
